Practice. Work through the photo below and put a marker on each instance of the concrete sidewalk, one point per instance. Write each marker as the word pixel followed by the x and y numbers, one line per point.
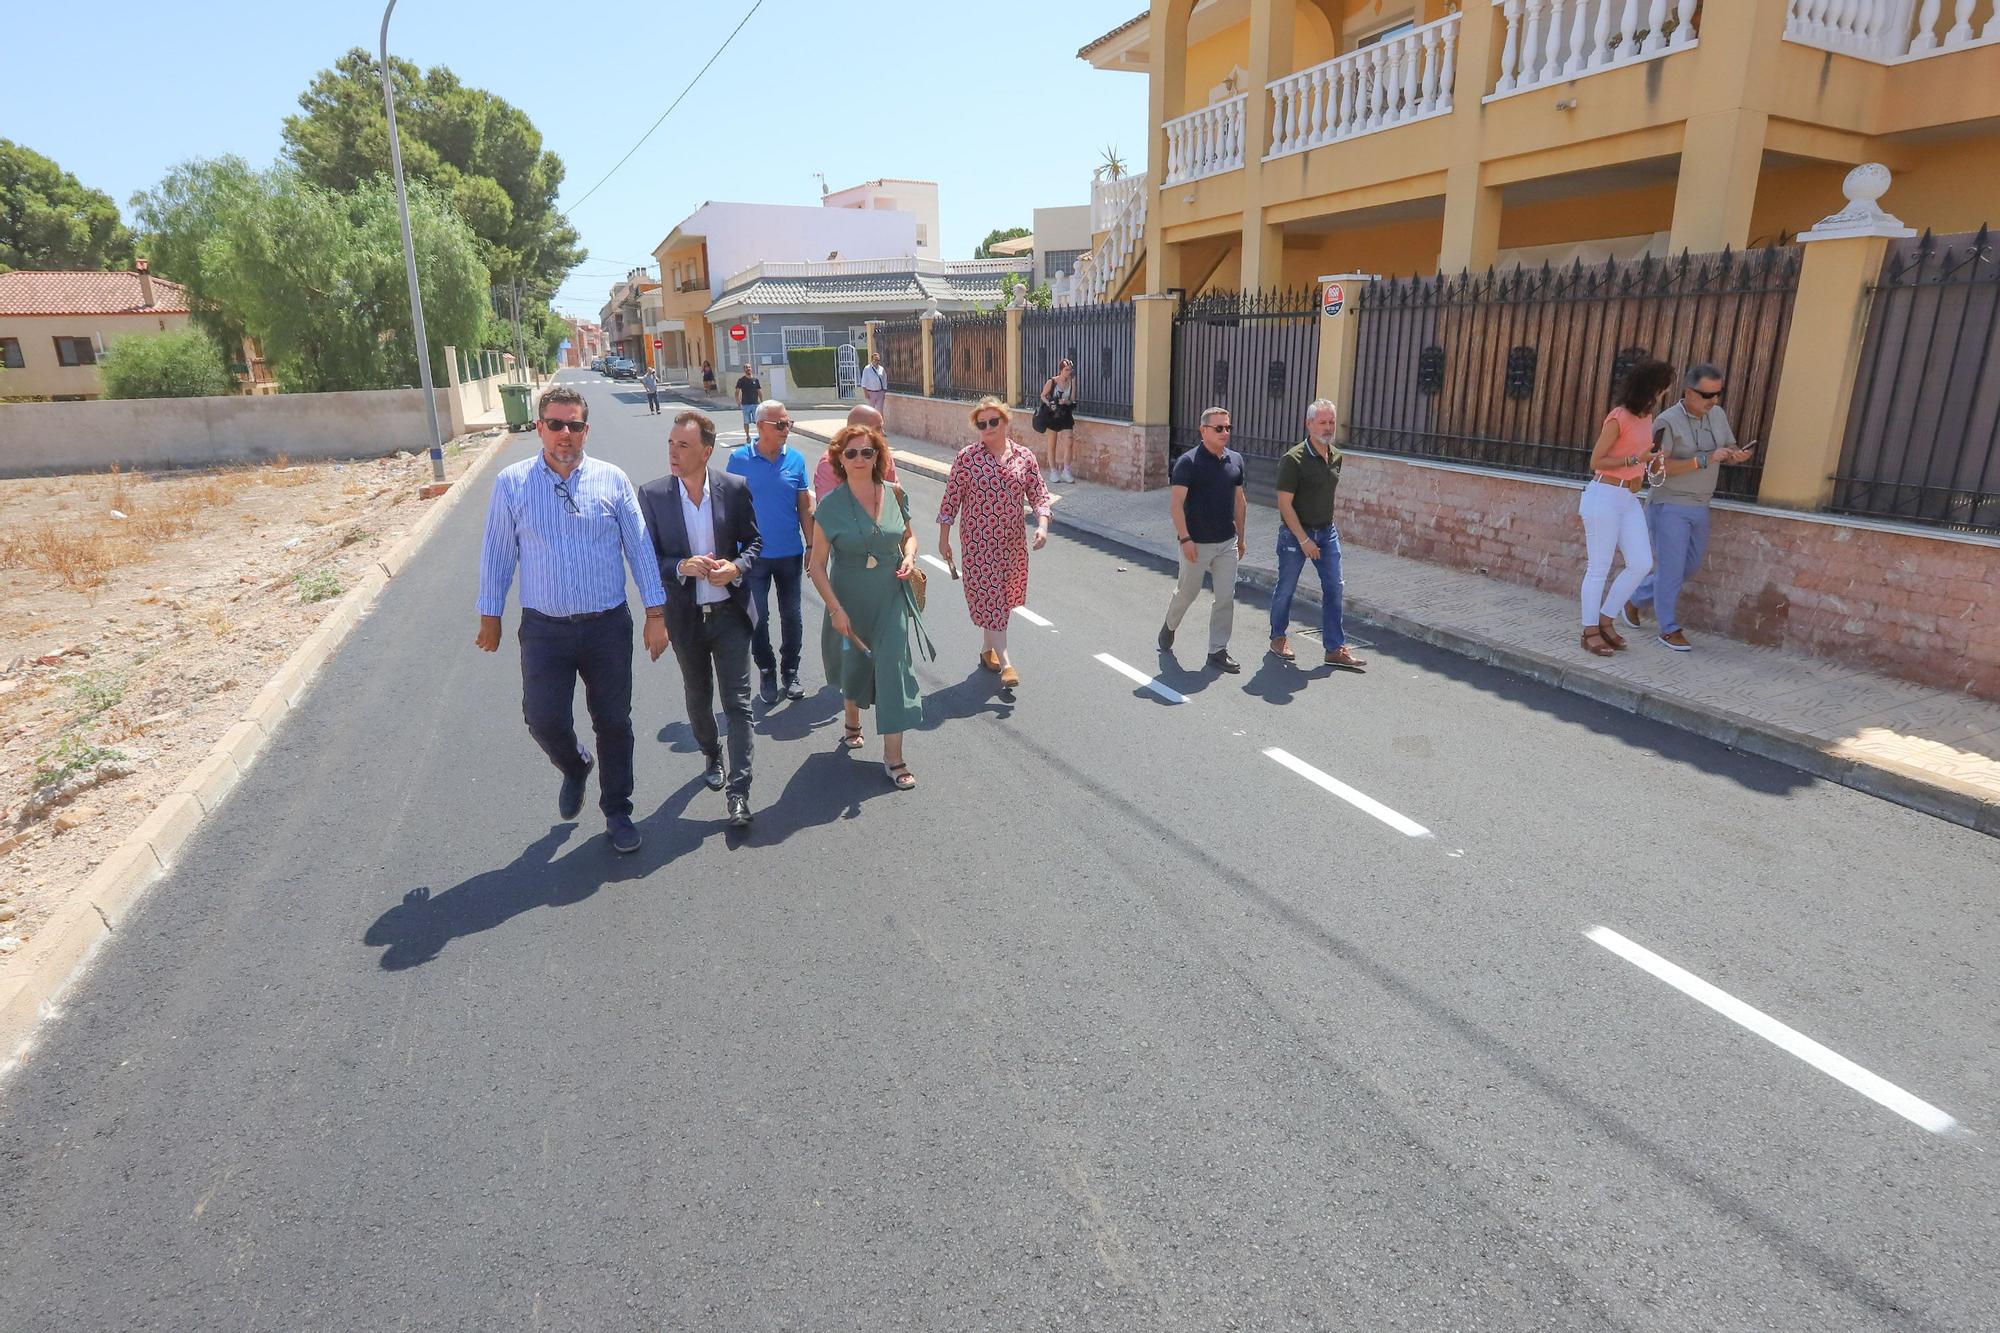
pixel 1932 750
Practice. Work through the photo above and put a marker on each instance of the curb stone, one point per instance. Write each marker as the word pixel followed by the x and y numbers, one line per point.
pixel 1927 793
pixel 63 947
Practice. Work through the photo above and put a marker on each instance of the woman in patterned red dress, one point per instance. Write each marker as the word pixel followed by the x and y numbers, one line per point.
pixel 990 483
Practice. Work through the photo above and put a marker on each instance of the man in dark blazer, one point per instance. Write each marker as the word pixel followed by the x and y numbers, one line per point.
pixel 704 531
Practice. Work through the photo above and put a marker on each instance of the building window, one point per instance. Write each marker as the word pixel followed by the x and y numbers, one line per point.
pixel 804 335
pixel 1384 34
pixel 923 234
pixel 75 352
pixel 1059 261
pixel 10 353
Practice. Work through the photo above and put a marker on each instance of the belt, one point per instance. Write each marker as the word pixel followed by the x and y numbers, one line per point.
pixel 576 619
pixel 1635 485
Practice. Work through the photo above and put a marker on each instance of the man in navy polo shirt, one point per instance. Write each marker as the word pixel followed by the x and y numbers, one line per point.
pixel 1208 507
pixel 781 493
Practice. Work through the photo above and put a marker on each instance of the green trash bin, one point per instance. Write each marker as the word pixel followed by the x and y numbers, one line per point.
pixel 516 398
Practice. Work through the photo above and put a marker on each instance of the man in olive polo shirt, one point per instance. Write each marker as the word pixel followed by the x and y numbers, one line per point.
pixel 1308 475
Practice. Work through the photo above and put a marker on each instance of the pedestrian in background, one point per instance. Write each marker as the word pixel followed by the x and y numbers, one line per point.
pixel 1695 439
pixel 827 474
pixel 572 526
pixel 864 550
pixel 704 531
pixel 778 484
pixel 991 481
pixel 707 377
pixel 875 382
pixel 749 392
pixel 652 383
pixel 1614 522
pixel 1308 476
pixel 1210 511
pixel 1059 392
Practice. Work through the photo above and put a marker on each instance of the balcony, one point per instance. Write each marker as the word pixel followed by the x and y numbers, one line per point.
pixel 1110 198
pixel 1888 32
pixel 1395 82
pixel 1554 41
pixel 1207 142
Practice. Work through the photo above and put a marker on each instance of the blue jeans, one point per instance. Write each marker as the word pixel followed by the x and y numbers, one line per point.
pixel 1291 564
pixel 749 416
pixel 1680 543
pixel 553 654
pixel 788 572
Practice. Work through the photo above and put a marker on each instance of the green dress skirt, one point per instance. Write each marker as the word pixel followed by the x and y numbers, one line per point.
pixel 878 607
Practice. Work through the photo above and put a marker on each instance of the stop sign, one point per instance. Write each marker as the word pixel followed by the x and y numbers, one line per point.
pixel 738 332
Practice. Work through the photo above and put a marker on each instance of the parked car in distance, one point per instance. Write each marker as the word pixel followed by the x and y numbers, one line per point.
pixel 621 369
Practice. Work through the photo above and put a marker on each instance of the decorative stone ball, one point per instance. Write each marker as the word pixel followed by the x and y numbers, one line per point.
pixel 1866 183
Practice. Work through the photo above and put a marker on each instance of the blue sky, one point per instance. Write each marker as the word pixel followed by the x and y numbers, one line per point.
pixel 1002 115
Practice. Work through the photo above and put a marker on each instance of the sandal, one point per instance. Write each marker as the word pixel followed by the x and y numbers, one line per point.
pixel 900 776
pixel 852 739
pixel 1600 648
pixel 1612 637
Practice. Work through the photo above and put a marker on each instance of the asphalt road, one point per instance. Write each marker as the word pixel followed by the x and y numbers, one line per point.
pixel 1119 1021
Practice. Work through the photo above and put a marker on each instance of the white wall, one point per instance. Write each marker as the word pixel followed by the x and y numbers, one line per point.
pixel 739 235
pixel 917 198
pixel 1066 228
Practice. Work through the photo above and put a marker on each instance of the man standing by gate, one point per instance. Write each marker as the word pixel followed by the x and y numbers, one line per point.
pixel 1209 509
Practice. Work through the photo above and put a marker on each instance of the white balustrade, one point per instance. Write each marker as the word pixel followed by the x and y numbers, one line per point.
pixel 1552 41
pixel 1888 32
pixel 1108 198
pixel 1207 142
pixel 1395 82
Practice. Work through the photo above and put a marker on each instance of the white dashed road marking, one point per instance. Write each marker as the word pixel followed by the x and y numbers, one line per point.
pixel 933 560
pixel 1171 695
pixel 1032 618
pixel 1872 1086
pixel 1361 801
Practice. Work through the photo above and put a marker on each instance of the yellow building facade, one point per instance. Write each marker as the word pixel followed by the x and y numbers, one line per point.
pixel 1295 138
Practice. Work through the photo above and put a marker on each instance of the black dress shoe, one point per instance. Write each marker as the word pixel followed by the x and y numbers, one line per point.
pixel 739 812
pixel 794 690
pixel 767 687
pixel 1166 639
pixel 712 775
pixel 570 803
pixel 1222 661
pixel 624 836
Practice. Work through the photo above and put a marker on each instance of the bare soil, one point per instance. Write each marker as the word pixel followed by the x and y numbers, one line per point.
pixel 141 615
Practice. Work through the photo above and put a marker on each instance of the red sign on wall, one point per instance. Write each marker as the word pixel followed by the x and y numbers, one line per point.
pixel 659 343
pixel 738 332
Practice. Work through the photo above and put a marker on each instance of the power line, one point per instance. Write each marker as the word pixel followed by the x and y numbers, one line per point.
pixel 670 108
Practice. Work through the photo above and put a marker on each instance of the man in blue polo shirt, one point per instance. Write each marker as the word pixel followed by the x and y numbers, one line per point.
pixel 781 492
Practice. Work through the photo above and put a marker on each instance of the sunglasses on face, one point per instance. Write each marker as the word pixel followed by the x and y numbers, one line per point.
pixel 573 427
pixel 1220 430
pixel 1703 393
pixel 988 423
pixel 864 451
pixel 779 425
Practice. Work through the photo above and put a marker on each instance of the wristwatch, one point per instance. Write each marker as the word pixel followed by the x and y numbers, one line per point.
pixel 1187 539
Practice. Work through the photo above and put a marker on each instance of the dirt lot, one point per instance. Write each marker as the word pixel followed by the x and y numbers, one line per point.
pixel 141 616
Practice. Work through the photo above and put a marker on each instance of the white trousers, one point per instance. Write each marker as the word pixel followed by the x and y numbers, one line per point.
pixel 1613 522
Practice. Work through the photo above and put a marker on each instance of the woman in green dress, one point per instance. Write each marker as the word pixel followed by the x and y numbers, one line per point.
pixel 862 528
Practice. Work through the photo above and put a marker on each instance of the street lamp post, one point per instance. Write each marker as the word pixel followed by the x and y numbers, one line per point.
pixel 410 256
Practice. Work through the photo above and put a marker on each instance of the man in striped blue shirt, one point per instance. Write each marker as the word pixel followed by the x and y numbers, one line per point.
pixel 572 524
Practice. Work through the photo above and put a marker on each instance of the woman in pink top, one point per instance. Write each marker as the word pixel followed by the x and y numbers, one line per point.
pixel 1613 519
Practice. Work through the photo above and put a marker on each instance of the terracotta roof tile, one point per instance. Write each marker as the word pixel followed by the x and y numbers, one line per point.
pixel 31 292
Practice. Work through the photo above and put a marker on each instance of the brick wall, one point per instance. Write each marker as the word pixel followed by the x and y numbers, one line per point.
pixel 1919 606
pixel 1112 453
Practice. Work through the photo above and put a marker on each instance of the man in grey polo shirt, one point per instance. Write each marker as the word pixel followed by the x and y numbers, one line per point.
pixel 1696 440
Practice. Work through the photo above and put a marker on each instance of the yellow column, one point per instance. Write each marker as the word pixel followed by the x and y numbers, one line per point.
pixel 1014 313
pixel 1471 207
pixel 1337 337
pixel 1166 89
pixel 1843 258
pixel 925 321
pixel 1271 56
pixel 1722 147
pixel 1153 360
pixel 873 326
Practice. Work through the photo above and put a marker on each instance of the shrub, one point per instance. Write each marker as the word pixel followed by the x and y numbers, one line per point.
pixel 182 364
pixel 318 585
pixel 813 367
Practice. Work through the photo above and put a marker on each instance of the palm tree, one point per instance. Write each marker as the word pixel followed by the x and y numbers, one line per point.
pixel 1114 165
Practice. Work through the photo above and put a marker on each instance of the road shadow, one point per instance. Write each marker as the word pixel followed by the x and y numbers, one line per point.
pixel 1186 681
pixel 1279 682
pixel 796 719
pixel 830 785
pixel 978 694
pixel 679 737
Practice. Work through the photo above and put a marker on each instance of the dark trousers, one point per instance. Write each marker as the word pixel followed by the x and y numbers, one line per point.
pixel 788 573
pixel 717 653
pixel 653 401
pixel 599 649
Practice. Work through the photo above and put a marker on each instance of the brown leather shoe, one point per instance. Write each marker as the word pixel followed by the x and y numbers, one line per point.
pixel 989 659
pixel 1009 677
pixel 1283 648
pixel 1344 657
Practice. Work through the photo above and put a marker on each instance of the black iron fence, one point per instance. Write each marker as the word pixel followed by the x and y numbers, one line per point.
pixel 901 343
pixel 1097 340
pixel 1256 354
pixel 1923 436
pixel 970 356
pixel 1516 370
